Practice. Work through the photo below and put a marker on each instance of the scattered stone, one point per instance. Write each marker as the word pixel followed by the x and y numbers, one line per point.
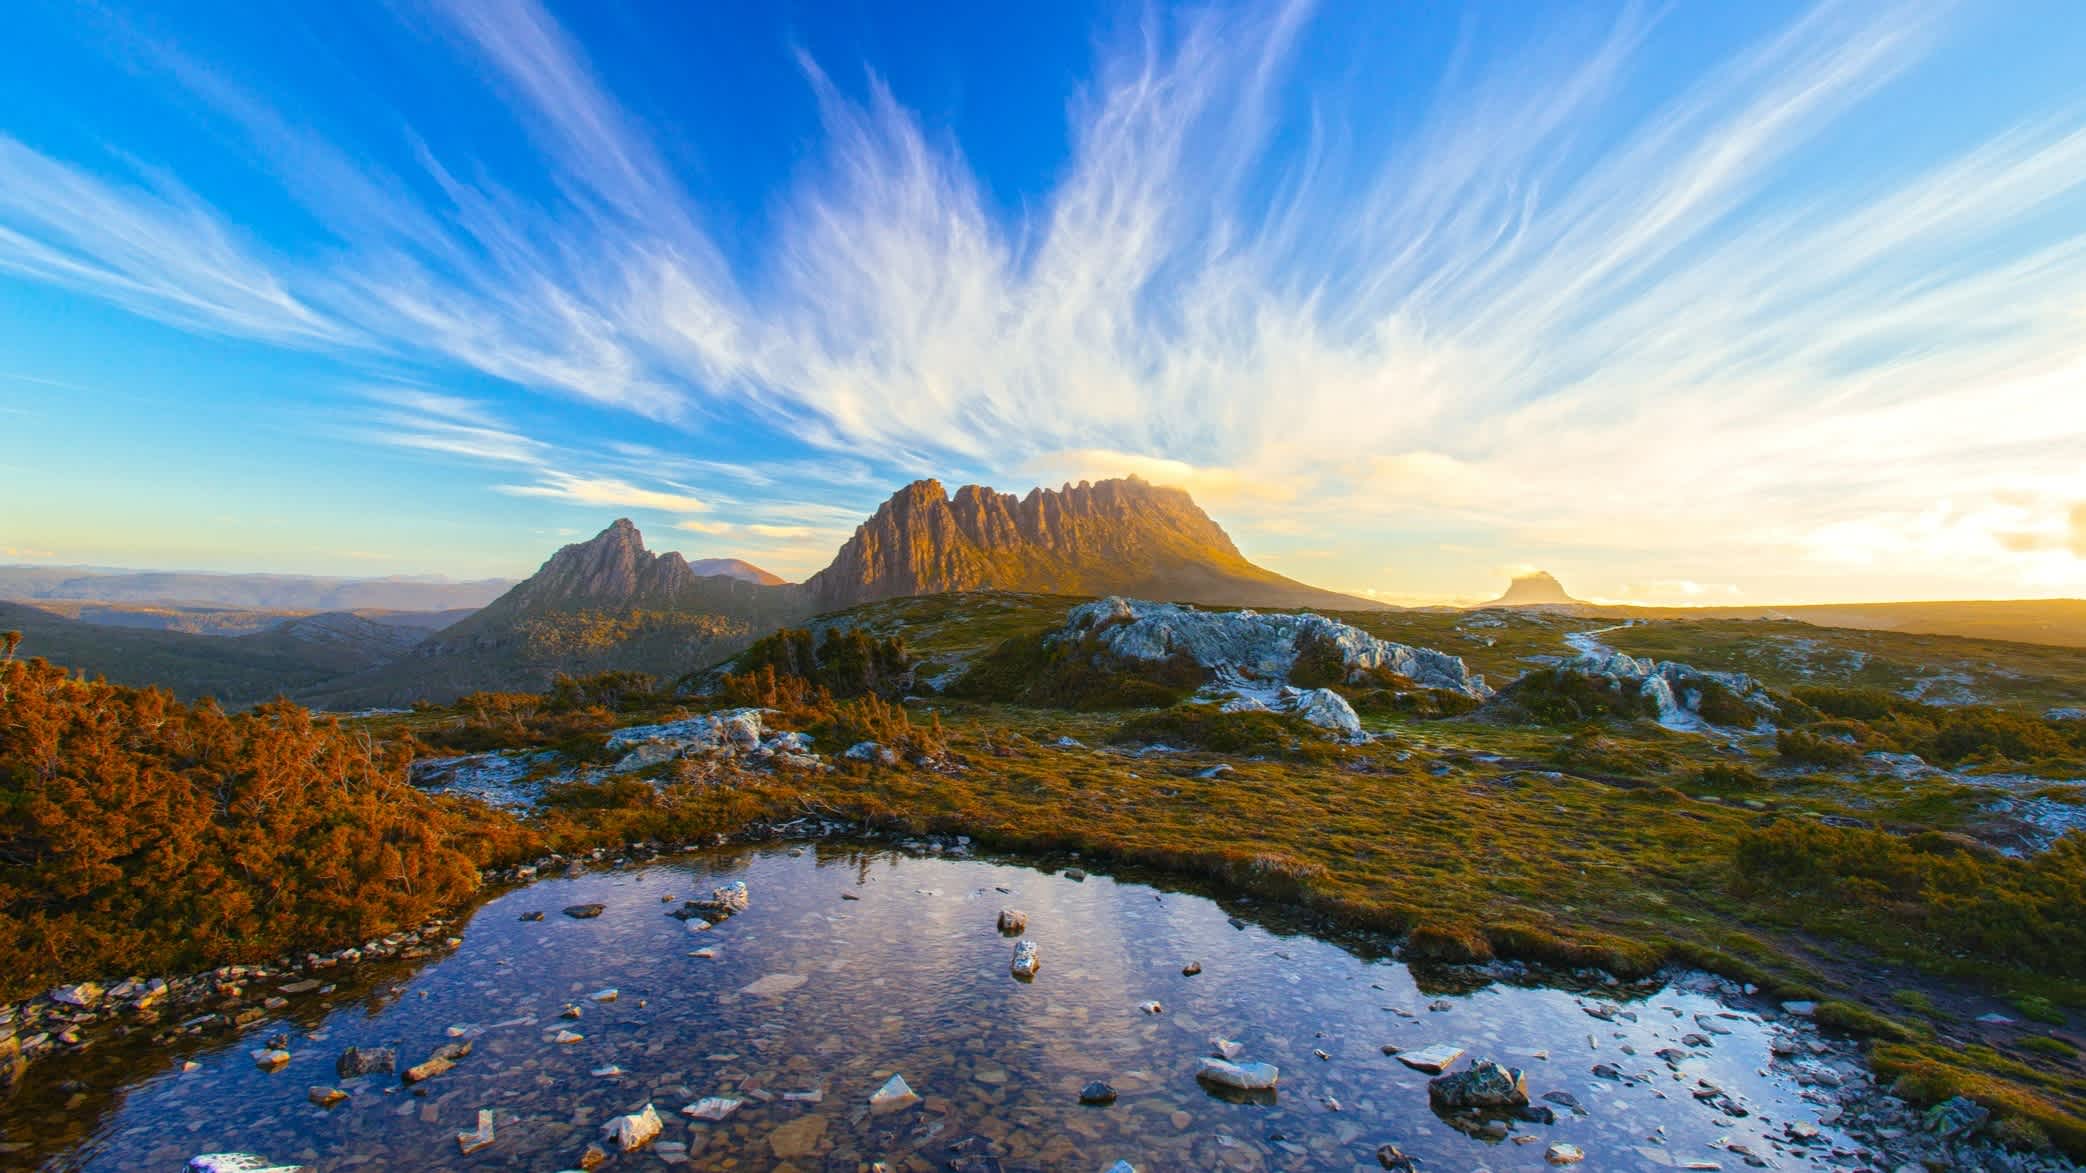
pixel 798 1138
pixel 634 1131
pixel 1097 1092
pixel 1433 1059
pixel 1026 962
pixel 609 1072
pixel 240 1163
pixel 608 995
pixel 1956 1116
pixel 566 1038
pixel 323 1096
pixel 712 1108
pixel 371 1061
pixel 1191 969
pixel 1484 1085
pixel 85 995
pixel 1013 921
pixel 272 1059
pixel 892 1096
pixel 1392 1157
pixel 729 900
pixel 1151 1007
pixel 1075 874
pixel 585 911
pixel 477 1138
pixel 1242 1076
pixel 425 1071
pixel 1226 1049
pixel 1564 1154
pixel 1565 1100
pixel 1800 1009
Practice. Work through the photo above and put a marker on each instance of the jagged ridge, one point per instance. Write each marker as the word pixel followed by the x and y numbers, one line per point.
pixel 1121 536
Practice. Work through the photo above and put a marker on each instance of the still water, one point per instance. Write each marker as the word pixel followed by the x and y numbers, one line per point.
pixel 808 1002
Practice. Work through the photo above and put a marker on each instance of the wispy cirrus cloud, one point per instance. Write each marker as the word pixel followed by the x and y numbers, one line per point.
pixel 1550 311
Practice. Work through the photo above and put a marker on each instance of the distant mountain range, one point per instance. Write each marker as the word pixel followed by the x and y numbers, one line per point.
pixel 262 592
pixel 610 603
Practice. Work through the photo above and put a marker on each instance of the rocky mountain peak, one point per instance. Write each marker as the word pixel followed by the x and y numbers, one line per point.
pixel 1112 536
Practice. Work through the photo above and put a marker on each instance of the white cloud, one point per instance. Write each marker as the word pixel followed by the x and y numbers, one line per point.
pixel 607 492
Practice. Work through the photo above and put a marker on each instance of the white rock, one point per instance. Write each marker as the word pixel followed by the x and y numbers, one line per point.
pixel 1433 1060
pixel 1026 963
pixel 239 1163
pixel 712 1107
pixel 634 1131
pixel 1255 646
pixel 1328 710
pixel 1564 1154
pixel 1243 1076
pixel 83 995
pixel 892 1096
pixel 1226 1049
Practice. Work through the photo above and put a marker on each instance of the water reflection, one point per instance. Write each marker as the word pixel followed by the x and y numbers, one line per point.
pixel 807 1003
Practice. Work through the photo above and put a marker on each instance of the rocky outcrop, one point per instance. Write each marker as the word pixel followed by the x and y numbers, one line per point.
pixel 1676 690
pixel 1109 537
pixel 1255 648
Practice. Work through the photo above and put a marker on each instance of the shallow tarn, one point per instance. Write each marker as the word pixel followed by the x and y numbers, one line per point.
pixel 811 1002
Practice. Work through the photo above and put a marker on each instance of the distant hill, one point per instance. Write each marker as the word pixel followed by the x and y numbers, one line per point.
pixel 1123 537
pixel 737 568
pixel 266 592
pixel 235 669
pixel 1536 589
pixel 2058 622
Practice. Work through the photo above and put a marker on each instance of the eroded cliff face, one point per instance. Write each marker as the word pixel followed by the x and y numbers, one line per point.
pixel 1114 536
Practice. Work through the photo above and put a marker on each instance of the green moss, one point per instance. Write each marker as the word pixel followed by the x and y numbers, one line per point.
pixel 1860 1020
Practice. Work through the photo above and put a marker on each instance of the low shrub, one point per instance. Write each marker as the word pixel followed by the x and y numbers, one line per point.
pixel 1247 733
pixel 1075 674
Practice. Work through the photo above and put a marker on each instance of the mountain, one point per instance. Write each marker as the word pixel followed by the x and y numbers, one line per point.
pixel 273 592
pixel 1123 537
pixel 604 604
pixel 737 568
pixel 1536 589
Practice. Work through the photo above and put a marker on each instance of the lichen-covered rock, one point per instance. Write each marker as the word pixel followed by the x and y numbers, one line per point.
pixel 1328 710
pixel 1485 1085
pixel 1258 647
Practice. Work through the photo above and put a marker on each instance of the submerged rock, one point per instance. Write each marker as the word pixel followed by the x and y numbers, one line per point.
pixel 481 1137
pixel 634 1131
pixel 1564 1154
pixel 585 911
pixel 366 1061
pixel 892 1096
pixel 1241 1076
pixel 1097 1092
pixel 712 1108
pixel 240 1163
pixel 729 900
pixel 323 1096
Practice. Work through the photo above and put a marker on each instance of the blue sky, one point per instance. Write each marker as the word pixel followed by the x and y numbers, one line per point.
pixel 1694 302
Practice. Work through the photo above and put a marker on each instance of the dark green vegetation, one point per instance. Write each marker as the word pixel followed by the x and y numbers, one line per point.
pixel 846 662
pixel 1574 833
